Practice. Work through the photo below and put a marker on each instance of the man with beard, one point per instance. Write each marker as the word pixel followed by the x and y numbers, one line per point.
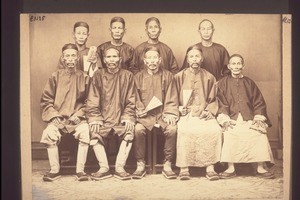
pixel 199 134
pixel 111 110
pixel 154 83
pixel 80 35
pixel 153 30
pixel 215 56
pixel 117 31
pixel 63 108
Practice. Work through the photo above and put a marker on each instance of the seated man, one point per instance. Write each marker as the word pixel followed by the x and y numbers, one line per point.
pixel 153 108
pixel 243 115
pixel 111 110
pixel 63 108
pixel 199 134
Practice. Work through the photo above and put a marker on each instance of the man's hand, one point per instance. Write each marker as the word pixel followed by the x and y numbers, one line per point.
pixel 74 119
pixel 170 120
pixel 206 115
pixel 93 59
pixel 95 126
pixel 129 126
pixel 183 110
pixel 226 125
pixel 56 121
pixel 259 125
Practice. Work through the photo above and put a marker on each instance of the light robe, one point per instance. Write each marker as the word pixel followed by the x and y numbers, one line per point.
pixel 198 140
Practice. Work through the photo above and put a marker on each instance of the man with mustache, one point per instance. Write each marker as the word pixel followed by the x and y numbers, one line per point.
pixel 63 108
pixel 111 110
pixel 155 82
pixel 80 35
pixel 199 134
pixel 243 115
pixel 153 30
pixel 117 31
pixel 215 56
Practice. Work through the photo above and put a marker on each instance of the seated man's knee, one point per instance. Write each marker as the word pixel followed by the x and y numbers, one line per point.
pixel 139 130
pixel 51 135
pixel 82 133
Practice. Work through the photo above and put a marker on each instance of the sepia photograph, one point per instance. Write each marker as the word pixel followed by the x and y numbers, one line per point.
pixel 155 106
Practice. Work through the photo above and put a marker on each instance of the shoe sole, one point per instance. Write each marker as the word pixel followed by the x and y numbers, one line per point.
pixel 82 178
pixel 215 178
pixel 227 177
pixel 138 177
pixel 122 178
pixel 169 177
pixel 47 179
pixel 184 178
pixel 100 178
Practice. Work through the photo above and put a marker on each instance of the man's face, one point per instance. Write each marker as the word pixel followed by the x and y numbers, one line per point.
pixel 80 35
pixel 236 65
pixel 194 58
pixel 112 58
pixel 70 58
pixel 152 60
pixel 153 30
pixel 206 30
pixel 117 30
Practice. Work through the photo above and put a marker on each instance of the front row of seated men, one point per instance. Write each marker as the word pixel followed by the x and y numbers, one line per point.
pixel 204 122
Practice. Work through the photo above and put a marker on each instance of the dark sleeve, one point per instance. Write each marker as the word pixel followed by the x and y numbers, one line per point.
pixel 171 99
pixel 173 66
pixel 212 103
pixel 48 98
pixel 221 98
pixel 93 112
pixel 139 104
pixel 100 64
pixel 82 111
pixel 185 63
pixel 225 60
pixel 131 60
pixel 129 109
pixel 136 62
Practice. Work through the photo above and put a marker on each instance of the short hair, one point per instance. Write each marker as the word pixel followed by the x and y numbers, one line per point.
pixel 236 55
pixel 84 24
pixel 105 50
pixel 117 19
pixel 151 48
pixel 152 19
pixel 194 47
pixel 206 20
pixel 69 46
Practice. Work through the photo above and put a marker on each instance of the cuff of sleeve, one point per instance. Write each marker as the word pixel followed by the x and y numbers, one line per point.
pixel 222 118
pixel 170 115
pixel 131 120
pixel 260 118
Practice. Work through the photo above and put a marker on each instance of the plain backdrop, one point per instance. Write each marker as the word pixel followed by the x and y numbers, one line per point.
pixel 257 37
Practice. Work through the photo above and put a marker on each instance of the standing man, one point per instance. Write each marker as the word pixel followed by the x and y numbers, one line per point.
pixel 153 30
pixel 63 108
pixel 199 134
pixel 117 31
pixel 88 59
pixel 243 115
pixel 111 110
pixel 154 83
pixel 215 56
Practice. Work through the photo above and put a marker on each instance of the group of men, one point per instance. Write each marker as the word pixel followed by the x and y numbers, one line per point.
pixel 207 110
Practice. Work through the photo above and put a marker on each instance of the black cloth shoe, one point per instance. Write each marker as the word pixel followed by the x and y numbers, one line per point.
pixel 49 177
pixel 138 174
pixel 100 176
pixel 184 176
pixel 81 176
pixel 122 175
pixel 169 174
pixel 266 175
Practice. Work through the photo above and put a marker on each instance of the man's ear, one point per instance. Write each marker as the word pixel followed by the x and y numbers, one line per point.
pixel 159 60
pixel 228 66
pixel 144 61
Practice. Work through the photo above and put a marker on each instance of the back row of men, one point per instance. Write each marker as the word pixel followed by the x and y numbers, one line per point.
pixel 191 109
pixel 216 56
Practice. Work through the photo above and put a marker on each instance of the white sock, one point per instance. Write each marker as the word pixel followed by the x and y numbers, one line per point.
pixel 81 156
pixel 140 166
pixel 230 168
pixel 101 157
pixel 184 169
pixel 122 156
pixel 260 168
pixel 53 159
pixel 210 168
pixel 167 166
